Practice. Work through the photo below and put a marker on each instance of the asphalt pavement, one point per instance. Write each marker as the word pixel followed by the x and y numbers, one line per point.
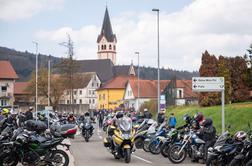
pixel 93 153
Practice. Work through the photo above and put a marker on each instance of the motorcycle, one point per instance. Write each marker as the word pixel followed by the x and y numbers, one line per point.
pixel 142 132
pixel 87 129
pixel 223 150
pixel 122 139
pixel 36 148
pixel 172 137
pixel 191 144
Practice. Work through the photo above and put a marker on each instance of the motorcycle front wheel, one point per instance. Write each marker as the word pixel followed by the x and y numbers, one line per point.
pixel 87 136
pixel 127 155
pixel 154 149
pixel 211 162
pixel 165 149
pixel 173 155
pixel 146 146
pixel 59 158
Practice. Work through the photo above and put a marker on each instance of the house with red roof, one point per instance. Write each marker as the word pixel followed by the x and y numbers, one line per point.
pixel 147 91
pixel 8 77
pixel 179 92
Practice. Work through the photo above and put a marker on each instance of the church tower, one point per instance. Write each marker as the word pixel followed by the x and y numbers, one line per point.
pixel 107 40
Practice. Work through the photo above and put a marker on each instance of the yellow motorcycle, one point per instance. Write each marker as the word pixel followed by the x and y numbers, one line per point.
pixel 120 140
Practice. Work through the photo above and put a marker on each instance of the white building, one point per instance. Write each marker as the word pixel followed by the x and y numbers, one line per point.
pixel 8 77
pixel 147 92
pixel 85 92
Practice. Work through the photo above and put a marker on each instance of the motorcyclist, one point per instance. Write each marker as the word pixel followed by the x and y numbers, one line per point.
pixel 207 132
pixel 147 114
pixel 188 121
pixel 199 117
pixel 86 119
pixel 71 118
pixel 161 117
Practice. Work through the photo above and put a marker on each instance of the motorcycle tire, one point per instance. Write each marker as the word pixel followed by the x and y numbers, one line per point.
pixel 116 157
pixel 153 149
pixel 211 162
pixel 55 160
pixel 127 155
pixel 235 162
pixel 86 139
pixel 165 150
pixel 175 158
pixel 9 162
pixel 249 163
pixel 139 143
pixel 146 147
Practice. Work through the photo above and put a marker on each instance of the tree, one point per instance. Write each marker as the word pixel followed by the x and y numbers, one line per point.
pixel 248 59
pixel 57 87
pixel 208 68
pixel 224 71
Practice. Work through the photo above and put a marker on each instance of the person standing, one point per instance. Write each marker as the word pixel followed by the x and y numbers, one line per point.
pixel 172 121
pixel 101 118
pixel 28 114
pixel 161 117
pixel 147 114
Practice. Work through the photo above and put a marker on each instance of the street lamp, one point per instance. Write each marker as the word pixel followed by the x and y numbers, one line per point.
pixel 158 87
pixel 138 86
pixel 36 102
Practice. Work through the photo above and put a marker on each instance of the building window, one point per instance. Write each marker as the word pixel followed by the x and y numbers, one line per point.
pixel 75 92
pixel 114 47
pixel 4 88
pixel 110 47
pixel 80 101
pixel 104 47
pixel 68 102
pixel 80 92
pixel 74 101
pixel 98 47
pixel 103 96
pixel 93 92
pixel 93 101
pixel 89 101
pixel 180 94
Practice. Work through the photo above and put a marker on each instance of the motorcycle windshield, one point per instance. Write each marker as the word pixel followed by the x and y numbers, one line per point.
pixel 125 124
pixel 222 139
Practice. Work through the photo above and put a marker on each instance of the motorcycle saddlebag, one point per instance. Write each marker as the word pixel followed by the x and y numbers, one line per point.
pixel 33 125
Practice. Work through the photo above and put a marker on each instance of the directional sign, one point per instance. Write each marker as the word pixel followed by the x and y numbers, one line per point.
pixel 208 84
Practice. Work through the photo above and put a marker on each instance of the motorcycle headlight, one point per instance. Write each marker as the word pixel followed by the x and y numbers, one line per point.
pixel 126 135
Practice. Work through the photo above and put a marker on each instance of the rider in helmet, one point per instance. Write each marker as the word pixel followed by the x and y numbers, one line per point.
pixel 188 121
pixel 199 117
pixel 207 132
pixel 71 118
pixel 240 136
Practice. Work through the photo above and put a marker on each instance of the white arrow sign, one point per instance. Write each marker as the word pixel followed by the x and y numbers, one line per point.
pixel 208 84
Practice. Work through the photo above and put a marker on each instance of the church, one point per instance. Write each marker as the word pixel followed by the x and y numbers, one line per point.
pixel 105 65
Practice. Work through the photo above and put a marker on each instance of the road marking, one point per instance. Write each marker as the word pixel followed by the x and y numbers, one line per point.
pixel 140 158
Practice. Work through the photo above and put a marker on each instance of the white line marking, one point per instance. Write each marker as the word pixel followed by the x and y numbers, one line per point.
pixel 140 158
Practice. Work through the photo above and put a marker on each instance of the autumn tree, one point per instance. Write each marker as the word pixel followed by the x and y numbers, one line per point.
pixel 208 68
pixel 224 71
pixel 56 88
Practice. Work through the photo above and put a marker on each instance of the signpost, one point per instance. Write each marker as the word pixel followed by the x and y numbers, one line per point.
pixel 211 84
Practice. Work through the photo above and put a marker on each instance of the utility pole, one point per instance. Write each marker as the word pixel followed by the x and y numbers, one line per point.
pixel 158 86
pixel 138 86
pixel 36 98
pixel 70 63
pixel 49 79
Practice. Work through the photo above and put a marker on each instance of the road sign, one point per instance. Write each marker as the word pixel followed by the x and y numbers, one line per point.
pixel 208 84
pixel 211 84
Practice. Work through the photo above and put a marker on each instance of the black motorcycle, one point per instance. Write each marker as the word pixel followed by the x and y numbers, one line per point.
pixel 87 129
pixel 223 151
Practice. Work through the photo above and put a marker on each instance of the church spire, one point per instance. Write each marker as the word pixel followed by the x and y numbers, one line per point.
pixel 106 29
pixel 107 40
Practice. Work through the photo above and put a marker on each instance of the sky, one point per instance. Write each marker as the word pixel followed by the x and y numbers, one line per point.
pixel 187 28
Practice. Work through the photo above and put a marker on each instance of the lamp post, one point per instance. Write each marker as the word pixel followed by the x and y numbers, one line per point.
pixel 138 86
pixel 158 87
pixel 49 79
pixel 36 100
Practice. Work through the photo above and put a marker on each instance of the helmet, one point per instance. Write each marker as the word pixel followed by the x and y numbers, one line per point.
pixel 207 122
pixel 145 110
pixel 187 118
pixel 199 117
pixel 86 114
pixel 30 108
pixel 5 111
pixel 240 135
pixel 119 115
